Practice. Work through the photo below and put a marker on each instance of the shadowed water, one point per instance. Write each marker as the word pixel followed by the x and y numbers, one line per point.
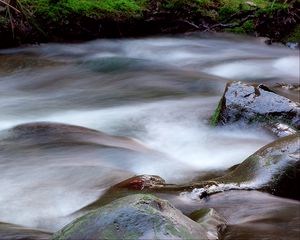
pixel 159 91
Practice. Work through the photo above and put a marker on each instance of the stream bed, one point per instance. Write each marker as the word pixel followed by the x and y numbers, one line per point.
pixel 158 91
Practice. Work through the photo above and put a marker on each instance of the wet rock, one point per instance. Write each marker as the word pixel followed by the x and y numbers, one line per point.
pixel 50 133
pixel 280 129
pixel 290 91
pixel 256 104
pixel 273 168
pixel 210 219
pixel 10 231
pixel 15 63
pixel 116 64
pixel 146 184
pixel 137 216
pixel 254 215
pixel 127 187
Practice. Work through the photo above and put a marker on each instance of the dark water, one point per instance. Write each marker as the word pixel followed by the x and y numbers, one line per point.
pixel 160 91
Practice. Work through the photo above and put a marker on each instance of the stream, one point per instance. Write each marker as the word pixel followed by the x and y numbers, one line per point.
pixel 159 91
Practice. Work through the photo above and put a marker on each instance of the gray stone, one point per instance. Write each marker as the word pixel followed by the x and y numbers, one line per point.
pixel 257 104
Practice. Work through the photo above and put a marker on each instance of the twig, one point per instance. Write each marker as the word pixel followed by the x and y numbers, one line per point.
pixel 7 4
pixel 232 25
pixel 190 23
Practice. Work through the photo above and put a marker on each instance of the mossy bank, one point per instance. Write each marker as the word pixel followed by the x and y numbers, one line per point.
pixel 31 21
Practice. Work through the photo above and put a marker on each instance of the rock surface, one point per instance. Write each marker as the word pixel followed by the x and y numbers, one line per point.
pixel 137 216
pixel 254 215
pixel 249 103
pixel 127 187
pixel 274 168
pixel 10 231
pixel 59 133
pixel 210 219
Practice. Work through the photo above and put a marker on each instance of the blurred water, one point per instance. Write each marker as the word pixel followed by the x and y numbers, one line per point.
pixel 160 91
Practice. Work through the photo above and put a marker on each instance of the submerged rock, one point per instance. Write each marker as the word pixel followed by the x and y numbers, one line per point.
pixel 249 103
pixel 11 231
pixel 210 219
pixel 137 216
pixel 290 91
pixel 254 215
pixel 47 133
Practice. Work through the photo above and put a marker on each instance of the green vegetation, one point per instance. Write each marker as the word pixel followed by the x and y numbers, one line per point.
pixel 247 27
pixel 215 117
pixel 4 20
pixel 89 8
pixel 294 36
pixel 65 19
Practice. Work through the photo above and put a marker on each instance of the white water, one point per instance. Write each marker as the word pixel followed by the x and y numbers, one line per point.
pixel 160 91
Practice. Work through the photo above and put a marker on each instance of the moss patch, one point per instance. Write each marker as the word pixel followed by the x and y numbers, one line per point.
pixel 198 214
pixel 215 117
pixel 90 8
pixel 247 28
pixel 294 36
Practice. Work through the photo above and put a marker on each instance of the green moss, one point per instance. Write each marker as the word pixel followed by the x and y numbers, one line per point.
pixel 247 27
pixel 294 36
pixel 215 117
pixel 182 232
pixel 91 8
pixel 4 21
pixel 198 214
pixel 230 7
pixel 246 171
pixel 205 8
pixel 272 8
pixel 271 119
pixel 109 233
pixel 194 4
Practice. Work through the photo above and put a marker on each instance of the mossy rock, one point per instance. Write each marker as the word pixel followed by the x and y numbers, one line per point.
pixel 139 216
pixel 274 168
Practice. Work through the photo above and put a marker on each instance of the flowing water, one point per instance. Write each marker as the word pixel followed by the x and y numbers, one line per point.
pixel 160 91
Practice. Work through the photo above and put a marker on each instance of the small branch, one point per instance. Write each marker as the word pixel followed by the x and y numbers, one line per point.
pixel 7 4
pixel 190 23
pixel 232 25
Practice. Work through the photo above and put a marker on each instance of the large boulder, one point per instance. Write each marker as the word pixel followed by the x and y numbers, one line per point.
pixel 259 104
pixel 139 216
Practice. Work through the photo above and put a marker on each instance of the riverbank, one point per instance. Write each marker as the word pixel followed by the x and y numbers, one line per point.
pixel 35 21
